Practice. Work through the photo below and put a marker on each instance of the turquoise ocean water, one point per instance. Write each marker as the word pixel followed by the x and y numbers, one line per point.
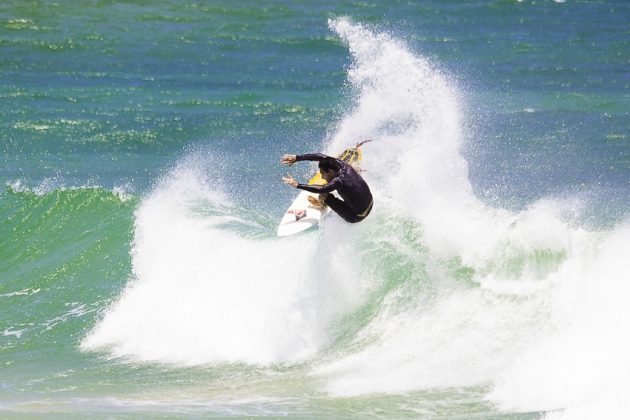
pixel 140 273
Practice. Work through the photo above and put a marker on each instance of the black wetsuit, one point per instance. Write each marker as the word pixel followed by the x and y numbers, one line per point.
pixel 357 198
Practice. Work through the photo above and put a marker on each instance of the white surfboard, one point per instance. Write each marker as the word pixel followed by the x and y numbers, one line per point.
pixel 302 215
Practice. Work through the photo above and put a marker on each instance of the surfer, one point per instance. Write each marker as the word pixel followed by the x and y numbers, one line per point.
pixel 339 176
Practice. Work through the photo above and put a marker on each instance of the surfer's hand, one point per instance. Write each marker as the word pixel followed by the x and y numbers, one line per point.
pixel 288 160
pixel 290 180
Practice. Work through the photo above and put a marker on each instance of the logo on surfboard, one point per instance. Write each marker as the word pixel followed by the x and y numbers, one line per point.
pixel 299 214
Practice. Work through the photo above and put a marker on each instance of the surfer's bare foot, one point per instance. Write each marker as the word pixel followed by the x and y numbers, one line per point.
pixel 316 202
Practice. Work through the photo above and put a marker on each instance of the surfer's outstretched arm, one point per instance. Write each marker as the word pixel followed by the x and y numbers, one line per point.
pixel 317 189
pixel 321 189
pixel 310 156
pixel 291 159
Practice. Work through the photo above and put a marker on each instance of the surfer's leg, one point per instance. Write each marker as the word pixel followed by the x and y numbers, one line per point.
pixel 341 208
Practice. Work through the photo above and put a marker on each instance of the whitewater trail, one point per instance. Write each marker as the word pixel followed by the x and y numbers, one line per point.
pixel 468 295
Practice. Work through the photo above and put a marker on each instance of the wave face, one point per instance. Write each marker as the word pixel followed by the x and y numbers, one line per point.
pixel 53 238
pixel 434 290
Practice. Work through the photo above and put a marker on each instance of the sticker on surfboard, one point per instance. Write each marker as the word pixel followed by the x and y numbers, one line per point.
pixel 299 214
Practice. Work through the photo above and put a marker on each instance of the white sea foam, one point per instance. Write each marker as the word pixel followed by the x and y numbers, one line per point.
pixel 123 192
pixel 24 292
pixel 205 294
pixel 47 185
pixel 77 309
pixel 584 364
pixel 16 333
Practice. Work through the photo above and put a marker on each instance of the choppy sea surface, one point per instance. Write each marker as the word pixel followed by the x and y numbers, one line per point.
pixel 140 272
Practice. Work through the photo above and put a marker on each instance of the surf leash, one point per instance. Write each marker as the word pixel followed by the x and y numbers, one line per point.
pixel 361 143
